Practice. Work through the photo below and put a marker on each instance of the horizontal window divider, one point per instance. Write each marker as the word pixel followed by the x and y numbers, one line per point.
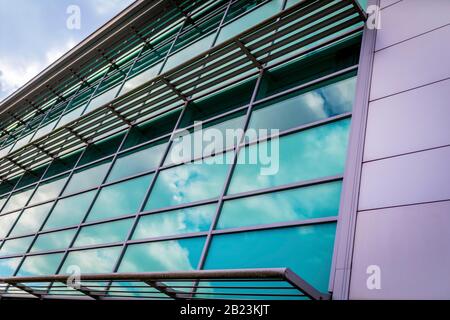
pixel 294 185
pixel 298 129
pixel 168 237
pixel 276 225
pixel 180 206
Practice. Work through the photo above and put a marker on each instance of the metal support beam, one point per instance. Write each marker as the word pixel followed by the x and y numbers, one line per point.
pixel 36 293
pixel 249 55
pixel 161 287
pixel 86 291
pixel 77 135
pixel 174 89
pixel 119 115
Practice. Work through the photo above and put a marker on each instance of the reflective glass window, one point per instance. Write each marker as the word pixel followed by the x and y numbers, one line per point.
pixel 6 222
pixel 70 211
pixel 189 182
pixel 16 246
pixel 172 255
pixel 53 240
pixel 310 154
pixel 17 200
pixel 307 250
pixel 87 178
pixel 304 203
pixel 137 161
pixel 104 233
pixel 31 220
pixel 304 107
pixel 195 219
pixel 40 265
pixel 8 266
pixel 120 199
pixel 48 190
pixel 92 260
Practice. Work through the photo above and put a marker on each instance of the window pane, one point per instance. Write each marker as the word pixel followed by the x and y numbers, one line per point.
pixel 190 182
pixel 16 246
pixel 170 255
pixel 307 250
pixel 6 222
pixel 314 153
pixel 137 161
pixel 315 201
pixel 70 211
pixel 206 141
pixel 302 108
pixel 225 100
pixel 93 260
pixel 8 266
pixel 249 20
pixel 87 178
pixel 31 220
pixel 104 233
pixel 151 129
pixel 189 52
pixel 195 219
pixel 53 240
pixel 40 265
pixel 138 80
pixel 17 200
pixel 48 190
pixel 120 199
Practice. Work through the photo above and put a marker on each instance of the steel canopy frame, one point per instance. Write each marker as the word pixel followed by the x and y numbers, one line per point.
pixel 241 57
pixel 166 285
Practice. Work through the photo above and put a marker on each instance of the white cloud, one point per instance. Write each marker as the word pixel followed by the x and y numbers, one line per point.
pixel 15 71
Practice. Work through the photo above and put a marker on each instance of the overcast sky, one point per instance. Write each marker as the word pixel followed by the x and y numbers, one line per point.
pixel 34 33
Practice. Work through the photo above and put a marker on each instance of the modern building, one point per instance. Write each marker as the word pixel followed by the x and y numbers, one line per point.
pixel 356 208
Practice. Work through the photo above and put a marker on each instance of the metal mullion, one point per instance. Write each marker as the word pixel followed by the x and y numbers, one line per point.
pixel 98 189
pixel 149 190
pixel 215 219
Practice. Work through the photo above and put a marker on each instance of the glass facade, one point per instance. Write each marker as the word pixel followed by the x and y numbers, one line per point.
pixel 123 204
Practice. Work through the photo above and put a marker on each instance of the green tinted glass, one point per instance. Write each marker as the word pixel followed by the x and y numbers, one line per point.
pixel 137 161
pixel 311 202
pixel 6 222
pixel 8 266
pixel 174 222
pixel 314 153
pixel 70 211
pixel 87 178
pixel 307 250
pixel 31 219
pixel 120 199
pixel 53 240
pixel 207 140
pixel 104 233
pixel 170 255
pixel 40 265
pixel 48 190
pixel 16 246
pixel 249 20
pixel 17 200
pixel 190 182
pixel 92 261
pixel 302 108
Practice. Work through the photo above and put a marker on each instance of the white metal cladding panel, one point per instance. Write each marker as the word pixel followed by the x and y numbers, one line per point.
pixel 410 18
pixel 385 3
pixel 410 121
pixel 413 178
pixel 410 245
pixel 411 64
